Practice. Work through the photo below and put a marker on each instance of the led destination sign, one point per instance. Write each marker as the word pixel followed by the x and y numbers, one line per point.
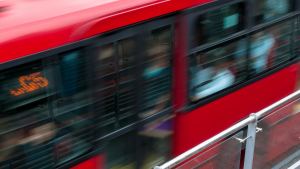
pixel 30 83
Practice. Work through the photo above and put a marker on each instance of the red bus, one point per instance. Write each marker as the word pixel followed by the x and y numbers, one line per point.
pixel 131 84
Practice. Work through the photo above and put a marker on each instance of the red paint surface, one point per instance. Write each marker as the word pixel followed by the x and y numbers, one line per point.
pixel 29 27
pixel 180 63
pixel 201 124
pixel 97 162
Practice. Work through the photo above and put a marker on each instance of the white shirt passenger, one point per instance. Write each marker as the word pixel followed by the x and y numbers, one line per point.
pixel 201 75
pixel 260 50
pixel 223 79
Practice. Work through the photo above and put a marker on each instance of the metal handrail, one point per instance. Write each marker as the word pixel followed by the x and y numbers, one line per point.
pixel 219 137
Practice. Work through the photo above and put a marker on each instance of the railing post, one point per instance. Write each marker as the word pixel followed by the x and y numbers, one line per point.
pixel 250 144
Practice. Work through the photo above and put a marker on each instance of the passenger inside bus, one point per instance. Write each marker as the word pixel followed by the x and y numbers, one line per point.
pixel 8 144
pixel 262 45
pixel 26 141
pixel 269 10
pixel 39 135
pixel 260 50
pixel 156 86
pixel 37 138
pixel 156 78
pixel 212 79
pixel 275 9
pixel 201 73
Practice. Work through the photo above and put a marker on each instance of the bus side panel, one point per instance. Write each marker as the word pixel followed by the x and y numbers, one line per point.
pixel 57 31
pixel 205 122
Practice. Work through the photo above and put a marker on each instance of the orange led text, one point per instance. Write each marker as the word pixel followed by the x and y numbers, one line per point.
pixel 36 82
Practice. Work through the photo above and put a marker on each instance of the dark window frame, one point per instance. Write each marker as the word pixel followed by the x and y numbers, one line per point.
pixel 249 30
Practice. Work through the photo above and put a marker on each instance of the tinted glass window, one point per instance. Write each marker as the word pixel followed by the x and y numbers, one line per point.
pixel 105 86
pixel 23 96
pixel 268 10
pixel 53 109
pixel 156 78
pixel 115 92
pixel 269 47
pixel 24 112
pixel 72 112
pixel 127 92
pixel 297 36
pixel 29 147
pixel 214 70
pixel 218 24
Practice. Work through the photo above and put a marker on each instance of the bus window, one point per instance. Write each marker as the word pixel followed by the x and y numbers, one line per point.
pixel 105 88
pixel 269 47
pixel 127 92
pixel 72 113
pixel 268 10
pixel 297 37
pixel 158 43
pixel 218 24
pixel 29 147
pixel 26 130
pixel 214 70
pixel 23 97
pixel 116 91
pixel 105 85
pixel 156 78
